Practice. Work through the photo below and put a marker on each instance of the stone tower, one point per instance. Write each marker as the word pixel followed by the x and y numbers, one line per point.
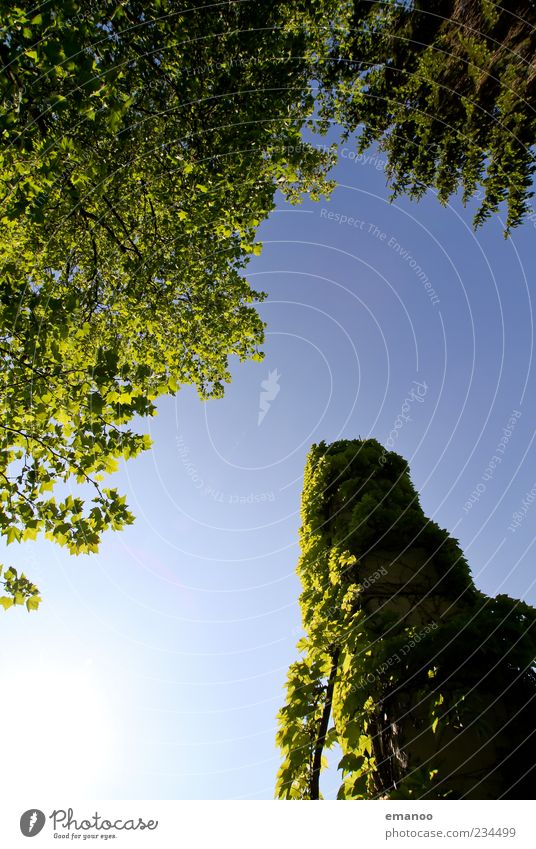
pixel 426 683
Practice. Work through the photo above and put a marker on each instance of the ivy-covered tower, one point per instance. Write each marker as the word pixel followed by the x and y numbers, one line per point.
pixel 425 683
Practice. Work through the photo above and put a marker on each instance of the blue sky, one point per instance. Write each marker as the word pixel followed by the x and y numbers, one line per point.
pixel 161 661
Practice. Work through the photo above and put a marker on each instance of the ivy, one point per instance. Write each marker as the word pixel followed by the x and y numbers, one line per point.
pixel 417 669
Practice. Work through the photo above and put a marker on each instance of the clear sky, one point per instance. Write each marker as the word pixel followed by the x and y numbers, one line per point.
pixel 155 669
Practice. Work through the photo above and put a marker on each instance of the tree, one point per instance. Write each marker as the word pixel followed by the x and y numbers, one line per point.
pixel 142 144
pixel 428 683
pixel 448 90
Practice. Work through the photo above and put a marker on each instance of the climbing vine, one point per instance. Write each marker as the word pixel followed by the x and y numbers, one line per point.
pixel 414 673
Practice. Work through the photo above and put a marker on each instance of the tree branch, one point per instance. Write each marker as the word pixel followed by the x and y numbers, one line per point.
pixel 323 727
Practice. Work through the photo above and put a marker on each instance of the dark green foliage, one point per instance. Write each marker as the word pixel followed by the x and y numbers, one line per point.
pixel 448 89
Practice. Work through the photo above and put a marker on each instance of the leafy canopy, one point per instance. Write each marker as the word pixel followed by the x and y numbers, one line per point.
pixel 142 145
pixel 448 90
